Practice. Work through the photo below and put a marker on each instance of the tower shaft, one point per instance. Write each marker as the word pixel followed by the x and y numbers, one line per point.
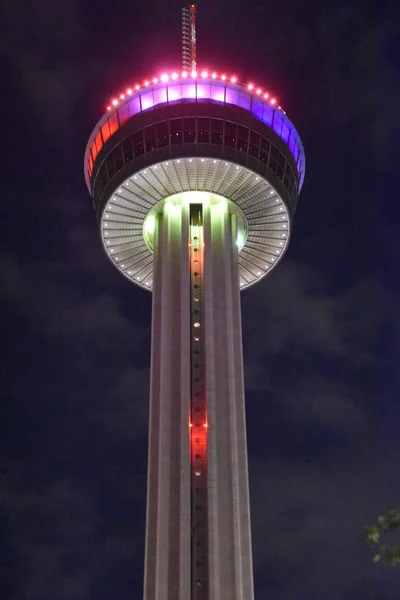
pixel 198 539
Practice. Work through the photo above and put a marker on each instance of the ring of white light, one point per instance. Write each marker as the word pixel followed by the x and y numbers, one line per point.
pixel 123 216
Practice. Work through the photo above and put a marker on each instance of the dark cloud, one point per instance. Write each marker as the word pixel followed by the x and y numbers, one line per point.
pixel 320 334
pixel 295 310
pixel 43 42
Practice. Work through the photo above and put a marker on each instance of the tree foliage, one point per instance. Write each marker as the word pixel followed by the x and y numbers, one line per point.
pixel 389 522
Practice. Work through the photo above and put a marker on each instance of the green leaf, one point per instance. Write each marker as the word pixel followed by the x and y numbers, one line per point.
pixel 376 558
pixel 373 534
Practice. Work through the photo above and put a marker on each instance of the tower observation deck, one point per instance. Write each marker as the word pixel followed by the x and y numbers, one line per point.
pixel 195 178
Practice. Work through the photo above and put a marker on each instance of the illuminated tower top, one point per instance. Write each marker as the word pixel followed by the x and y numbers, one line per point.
pixel 189 131
pixel 189 37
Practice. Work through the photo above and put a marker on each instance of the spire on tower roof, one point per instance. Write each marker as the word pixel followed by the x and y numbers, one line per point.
pixel 189 37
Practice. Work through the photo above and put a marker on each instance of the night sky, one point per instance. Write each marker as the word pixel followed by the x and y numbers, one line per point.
pixel 321 333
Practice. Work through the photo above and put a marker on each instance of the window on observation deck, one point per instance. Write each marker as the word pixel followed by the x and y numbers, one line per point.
pixel 230 134
pixel 189 130
pixel 286 178
pixel 281 165
pixel 265 148
pixel 242 138
pixel 110 166
pixel 103 176
pixel 127 149
pixel 273 159
pixel 254 144
pixel 274 152
pixel 150 137
pixel 203 130
pixel 118 158
pixel 203 127
pixel 176 131
pixel 138 145
pixel 162 134
pixel 217 131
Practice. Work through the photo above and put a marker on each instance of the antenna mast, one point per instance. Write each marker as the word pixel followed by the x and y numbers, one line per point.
pixel 189 37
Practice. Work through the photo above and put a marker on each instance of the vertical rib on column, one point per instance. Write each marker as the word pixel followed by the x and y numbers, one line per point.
pixel 230 558
pixel 167 568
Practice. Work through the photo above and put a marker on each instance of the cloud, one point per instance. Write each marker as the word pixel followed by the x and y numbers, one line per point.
pixel 310 522
pixel 59 547
pixel 294 312
pixel 43 40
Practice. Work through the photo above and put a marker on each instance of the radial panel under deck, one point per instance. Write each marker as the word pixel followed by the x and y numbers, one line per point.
pixel 268 220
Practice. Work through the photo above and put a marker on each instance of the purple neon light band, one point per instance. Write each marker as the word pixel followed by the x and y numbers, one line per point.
pixel 225 92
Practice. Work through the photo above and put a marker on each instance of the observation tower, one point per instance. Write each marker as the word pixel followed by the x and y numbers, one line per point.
pixel 195 176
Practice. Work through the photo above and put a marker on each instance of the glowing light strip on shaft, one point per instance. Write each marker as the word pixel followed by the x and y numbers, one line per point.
pixel 198 410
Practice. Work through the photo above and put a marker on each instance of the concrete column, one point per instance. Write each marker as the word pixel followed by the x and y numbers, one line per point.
pixel 230 554
pixel 167 562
